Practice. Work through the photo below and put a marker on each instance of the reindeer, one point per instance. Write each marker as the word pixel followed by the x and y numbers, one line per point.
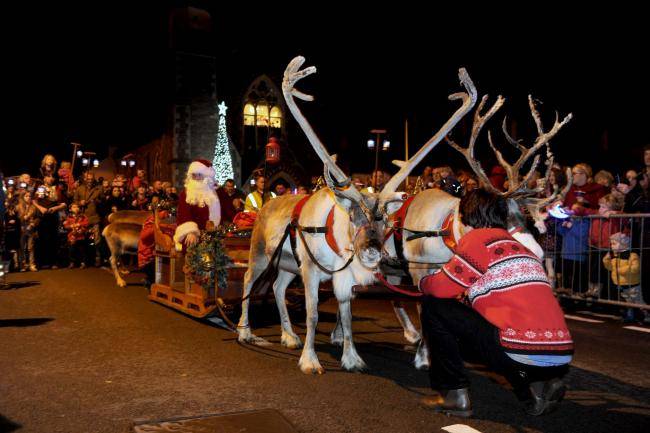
pixel 358 229
pixel 122 235
pixel 431 207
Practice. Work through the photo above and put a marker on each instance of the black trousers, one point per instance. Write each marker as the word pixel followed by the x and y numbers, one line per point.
pixel 456 333
pixel 77 252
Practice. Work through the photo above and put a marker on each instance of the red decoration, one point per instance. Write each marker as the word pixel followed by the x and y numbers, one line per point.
pixel 273 151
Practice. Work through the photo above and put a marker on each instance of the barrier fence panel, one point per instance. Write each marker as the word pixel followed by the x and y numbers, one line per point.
pixel 600 259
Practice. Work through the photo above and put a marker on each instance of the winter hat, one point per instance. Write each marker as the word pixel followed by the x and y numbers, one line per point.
pixel 201 166
pixel 623 240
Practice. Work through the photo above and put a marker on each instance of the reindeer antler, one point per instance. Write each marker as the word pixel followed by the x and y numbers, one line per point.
pixel 468 152
pixel 339 181
pixel 469 99
pixel 515 185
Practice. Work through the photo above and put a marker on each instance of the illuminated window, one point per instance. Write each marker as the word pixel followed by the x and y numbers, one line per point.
pixel 249 115
pixel 262 115
pixel 276 117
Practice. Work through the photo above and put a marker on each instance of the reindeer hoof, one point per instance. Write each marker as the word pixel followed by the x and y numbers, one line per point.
pixel 291 341
pixel 310 367
pixel 121 283
pixel 353 363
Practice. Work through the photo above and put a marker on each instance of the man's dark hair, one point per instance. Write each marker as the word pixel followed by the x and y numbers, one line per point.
pixel 482 209
pixel 229 180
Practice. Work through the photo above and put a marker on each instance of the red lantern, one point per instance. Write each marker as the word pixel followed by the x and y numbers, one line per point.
pixel 273 151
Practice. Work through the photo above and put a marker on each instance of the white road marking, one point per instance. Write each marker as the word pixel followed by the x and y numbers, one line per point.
pixel 460 428
pixel 582 319
pixel 637 328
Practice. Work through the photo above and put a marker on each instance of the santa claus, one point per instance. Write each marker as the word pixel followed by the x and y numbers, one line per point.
pixel 197 204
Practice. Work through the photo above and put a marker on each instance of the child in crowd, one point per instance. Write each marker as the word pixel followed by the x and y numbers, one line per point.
pixel 601 229
pixel 77 226
pixel 624 266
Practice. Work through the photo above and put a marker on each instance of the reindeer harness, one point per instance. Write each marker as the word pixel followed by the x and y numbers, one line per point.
pixel 296 229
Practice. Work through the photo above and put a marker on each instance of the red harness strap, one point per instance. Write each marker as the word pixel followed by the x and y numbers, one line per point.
pixel 329 225
pixel 295 215
pixel 448 228
pixel 398 220
pixel 329 235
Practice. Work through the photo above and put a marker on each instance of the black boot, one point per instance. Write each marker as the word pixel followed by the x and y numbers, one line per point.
pixel 453 402
pixel 545 396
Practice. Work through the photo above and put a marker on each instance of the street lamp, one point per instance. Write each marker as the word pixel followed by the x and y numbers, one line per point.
pixel 375 144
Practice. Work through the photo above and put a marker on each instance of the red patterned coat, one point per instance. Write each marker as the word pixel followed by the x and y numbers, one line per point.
pixel 506 284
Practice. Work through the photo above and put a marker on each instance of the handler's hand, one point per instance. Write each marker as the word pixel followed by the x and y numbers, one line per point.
pixel 191 239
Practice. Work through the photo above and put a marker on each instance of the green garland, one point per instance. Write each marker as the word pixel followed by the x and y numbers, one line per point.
pixel 207 258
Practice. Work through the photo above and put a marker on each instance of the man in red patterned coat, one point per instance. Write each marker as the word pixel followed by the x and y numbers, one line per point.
pixel 197 204
pixel 492 304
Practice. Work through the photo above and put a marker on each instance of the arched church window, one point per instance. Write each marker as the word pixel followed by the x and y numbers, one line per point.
pixel 262 114
pixel 249 115
pixel 276 117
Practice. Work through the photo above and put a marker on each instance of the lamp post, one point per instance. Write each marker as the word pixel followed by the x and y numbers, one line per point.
pixel 375 144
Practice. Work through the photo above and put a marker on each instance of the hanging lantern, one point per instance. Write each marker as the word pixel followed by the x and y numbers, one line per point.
pixel 273 151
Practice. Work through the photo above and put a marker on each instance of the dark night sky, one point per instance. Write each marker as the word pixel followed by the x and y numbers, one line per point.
pixel 99 75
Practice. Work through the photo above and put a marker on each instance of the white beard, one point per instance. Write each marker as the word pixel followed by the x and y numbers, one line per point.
pixel 200 193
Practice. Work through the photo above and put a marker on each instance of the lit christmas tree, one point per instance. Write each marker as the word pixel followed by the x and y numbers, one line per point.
pixel 222 161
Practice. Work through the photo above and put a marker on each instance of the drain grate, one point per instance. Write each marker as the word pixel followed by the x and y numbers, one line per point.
pixel 258 421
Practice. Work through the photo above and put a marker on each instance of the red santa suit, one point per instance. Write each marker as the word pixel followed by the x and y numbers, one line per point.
pixel 197 204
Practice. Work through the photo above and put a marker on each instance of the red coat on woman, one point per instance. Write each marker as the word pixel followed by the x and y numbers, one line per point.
pixel 506 284
pixel 592 193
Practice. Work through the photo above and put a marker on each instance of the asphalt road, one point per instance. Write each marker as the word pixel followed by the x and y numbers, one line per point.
pixel 79 354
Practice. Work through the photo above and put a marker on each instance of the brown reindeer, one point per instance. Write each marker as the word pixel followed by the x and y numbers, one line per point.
pixel 122 235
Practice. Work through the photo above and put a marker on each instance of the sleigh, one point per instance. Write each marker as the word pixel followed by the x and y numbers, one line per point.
pixel 173 288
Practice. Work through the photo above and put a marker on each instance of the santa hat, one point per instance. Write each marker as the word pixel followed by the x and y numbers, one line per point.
pixel 201 166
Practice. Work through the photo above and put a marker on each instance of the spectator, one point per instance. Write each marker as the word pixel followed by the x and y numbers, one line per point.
pixel 28 216
pixel 599 234
pixel 254 200
pixel 48 202
pixel 231 199
pixel 498 177
pixel 12 229
pixel 550 241
pixel 77 225
pixel 48 166
pixel 604 178
pixel 302 189
pixel 625 271
pixel 116 201
pixel 138 180
pixel 169 191
pixel 584 194
pixel 281 188
pixel 141 201
pixel 87 196
pixel 575 236
pixel 65 175
pixel 471 184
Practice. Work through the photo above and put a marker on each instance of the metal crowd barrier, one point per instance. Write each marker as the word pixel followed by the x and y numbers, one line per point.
pixel 581 264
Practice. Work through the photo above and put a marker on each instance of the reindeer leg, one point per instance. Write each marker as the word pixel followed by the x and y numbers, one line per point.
pixel 336 337
pixel 289 338
pixel 243 327
pixel 309 363
pixel 350 360
pixel 410 333
pixel 421 361
pixel 118 278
